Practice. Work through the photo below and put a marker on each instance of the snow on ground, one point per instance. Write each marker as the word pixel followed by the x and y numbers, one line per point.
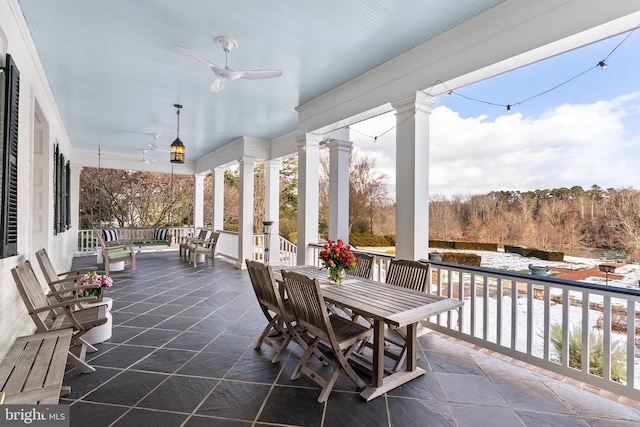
pixel 517 263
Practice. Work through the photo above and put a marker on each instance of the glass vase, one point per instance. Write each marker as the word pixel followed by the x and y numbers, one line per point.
pixel 336 276
pixel 94 292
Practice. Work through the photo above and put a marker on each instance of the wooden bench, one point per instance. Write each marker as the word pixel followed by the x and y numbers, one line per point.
pixel 33 369
pixel 138 237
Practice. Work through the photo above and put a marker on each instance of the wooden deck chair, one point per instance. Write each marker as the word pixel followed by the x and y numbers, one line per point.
pixel 272 305
pixel 206 248
pixel 187 240
pixel 364 267
pixel 340 334
pixel 60 281
pixel 44 313
pixel 115 251
pixel 407 274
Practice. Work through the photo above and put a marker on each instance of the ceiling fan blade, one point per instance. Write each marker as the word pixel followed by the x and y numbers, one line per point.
pixel 218 84
pixel 198 57
pixel 154 147
pixel 259 74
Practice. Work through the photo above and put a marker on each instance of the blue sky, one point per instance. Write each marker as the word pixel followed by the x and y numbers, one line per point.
pixel 584 133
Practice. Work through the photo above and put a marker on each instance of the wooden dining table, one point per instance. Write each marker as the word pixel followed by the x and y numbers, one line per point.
pixel 384 304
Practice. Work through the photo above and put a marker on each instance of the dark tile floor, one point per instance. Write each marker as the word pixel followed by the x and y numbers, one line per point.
pixel 181 355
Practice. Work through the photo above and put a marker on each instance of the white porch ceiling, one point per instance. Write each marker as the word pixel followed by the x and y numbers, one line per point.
pixel 115 72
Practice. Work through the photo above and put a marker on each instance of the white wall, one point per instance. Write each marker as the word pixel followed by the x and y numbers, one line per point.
pixel 32 160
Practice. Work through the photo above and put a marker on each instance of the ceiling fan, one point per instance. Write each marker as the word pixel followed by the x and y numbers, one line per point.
pixel 144 158
pixel 226 74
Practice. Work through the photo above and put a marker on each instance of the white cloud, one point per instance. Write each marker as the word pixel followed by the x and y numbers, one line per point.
pixel 568 145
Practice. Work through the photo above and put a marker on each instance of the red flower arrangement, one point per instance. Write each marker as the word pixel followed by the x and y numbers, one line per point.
pixel 336 257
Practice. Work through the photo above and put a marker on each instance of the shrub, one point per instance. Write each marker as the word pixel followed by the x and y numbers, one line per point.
pixel 596 356
pixel 470 246
pixel 366 239
pixel 462 258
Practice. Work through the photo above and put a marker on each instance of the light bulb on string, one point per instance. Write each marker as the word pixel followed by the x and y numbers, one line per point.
pixel 602 65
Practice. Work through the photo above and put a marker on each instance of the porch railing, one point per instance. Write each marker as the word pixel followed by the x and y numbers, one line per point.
pixel 587 332
pixel 584 331
pixel 229 241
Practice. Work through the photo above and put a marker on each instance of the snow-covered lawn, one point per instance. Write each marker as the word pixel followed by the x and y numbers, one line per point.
pixel 517 263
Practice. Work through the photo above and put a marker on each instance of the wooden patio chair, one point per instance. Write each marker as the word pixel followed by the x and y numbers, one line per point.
pixel 46 317
pixel 272 305
pixel 115 251
pixel 407 274
pixel 57 281
pixel 340 334
pixel 206 248
pixel 364 267
pixel 187 240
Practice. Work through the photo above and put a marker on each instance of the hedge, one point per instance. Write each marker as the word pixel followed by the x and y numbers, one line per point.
pixel 469 246
pixel 374 240
pixel 462 258
pixel 535 253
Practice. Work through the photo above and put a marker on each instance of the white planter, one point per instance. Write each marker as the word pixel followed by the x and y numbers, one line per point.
pixel 116 266
pixel 100 333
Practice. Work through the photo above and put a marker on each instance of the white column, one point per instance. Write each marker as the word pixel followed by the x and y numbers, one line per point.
pixel 412 176
pixel 308 177
pixel 75 201
pixel 339 150
pixel 198 201
pixel 245 226
pixel 217 222
pixel 272 206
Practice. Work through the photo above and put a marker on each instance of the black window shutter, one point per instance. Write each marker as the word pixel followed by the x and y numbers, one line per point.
pixel 9 221
pixel 56 187
pixel 67 197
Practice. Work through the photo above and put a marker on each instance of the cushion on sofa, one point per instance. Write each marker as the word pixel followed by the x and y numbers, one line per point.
pixel 110 235
pixel 161 234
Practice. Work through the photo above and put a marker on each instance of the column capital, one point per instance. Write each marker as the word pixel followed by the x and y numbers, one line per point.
pixel 247 160
pixel 421 102
pixel 272 163
pixel 308 139
pixel 339 145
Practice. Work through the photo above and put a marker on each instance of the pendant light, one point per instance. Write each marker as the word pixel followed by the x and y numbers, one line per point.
pixel 177 147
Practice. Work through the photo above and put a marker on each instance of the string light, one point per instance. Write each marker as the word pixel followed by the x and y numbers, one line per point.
pixel 601 64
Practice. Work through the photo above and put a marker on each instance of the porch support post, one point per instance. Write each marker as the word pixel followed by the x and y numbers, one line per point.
pixel 198 201
pixel 308 177
pixel 217 222
pixel 412 176
pixel 245 226
pixel 339 150
pixel 272 206
pixel 75 199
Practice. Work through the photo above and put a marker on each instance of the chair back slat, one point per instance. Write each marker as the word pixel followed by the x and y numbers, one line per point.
pixel 264 285
pixel 46 265
pixel 32 293
pixel 364 266
pixel 408 274
pixel 307 303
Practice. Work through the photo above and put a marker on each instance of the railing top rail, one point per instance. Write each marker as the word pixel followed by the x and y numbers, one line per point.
pixel 528 277
pixel 359 251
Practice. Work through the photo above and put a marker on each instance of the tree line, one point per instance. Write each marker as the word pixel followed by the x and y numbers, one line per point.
pixel 561 219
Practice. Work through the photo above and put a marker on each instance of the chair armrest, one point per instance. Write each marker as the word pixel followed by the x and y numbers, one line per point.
pixel 79 271
pixel 72 290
